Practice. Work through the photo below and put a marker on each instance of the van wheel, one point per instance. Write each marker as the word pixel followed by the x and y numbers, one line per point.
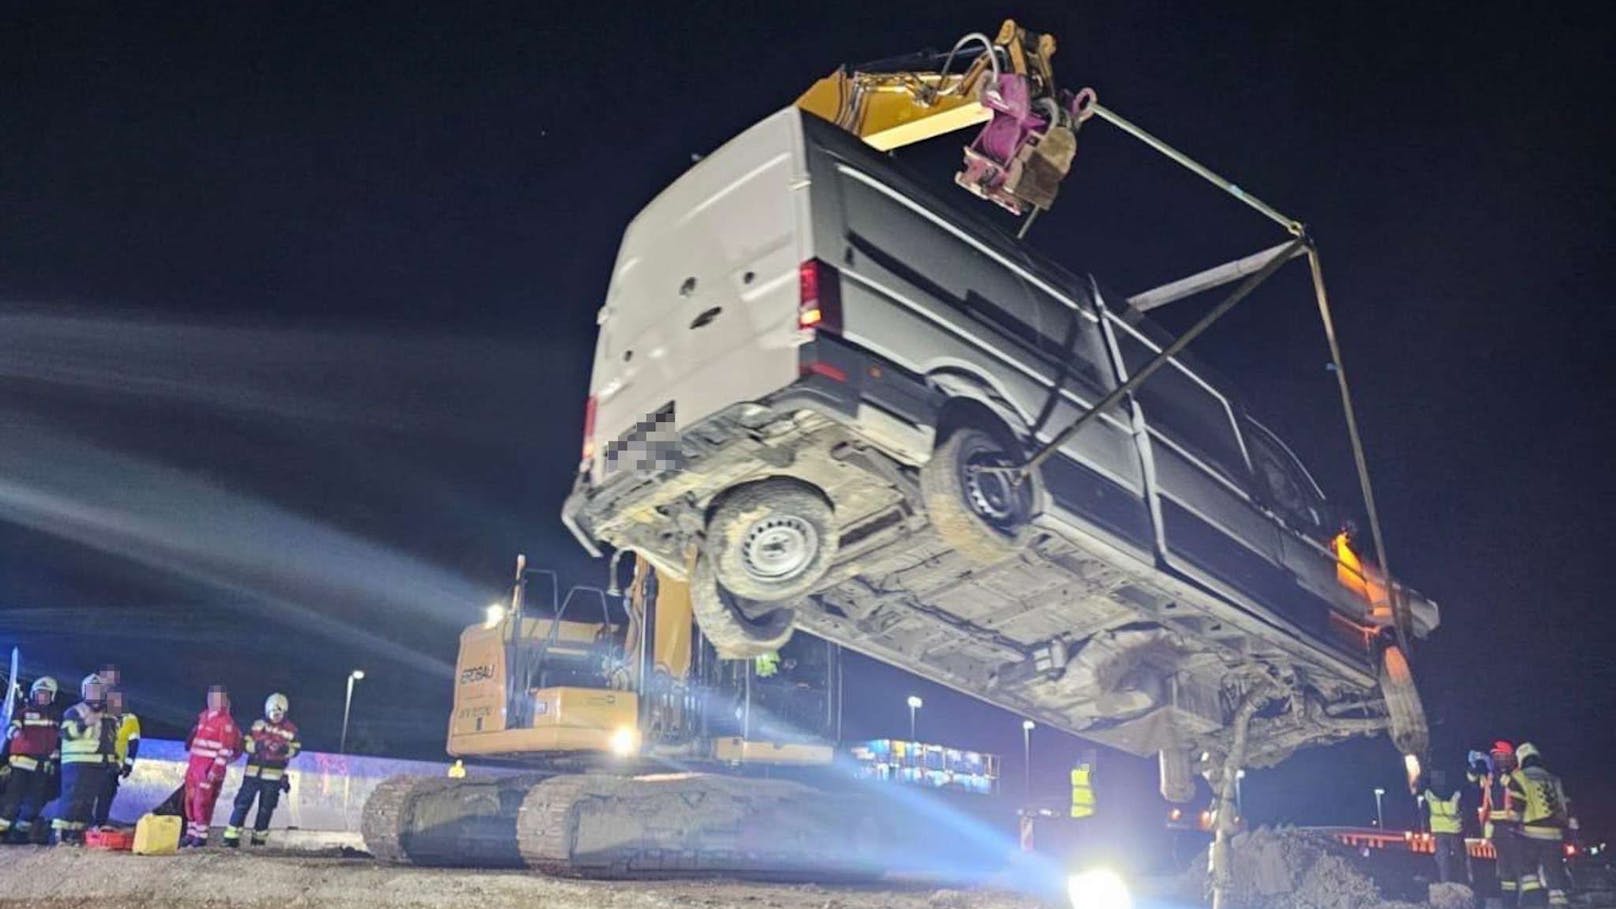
pixel 772 540
pixel 1409 731
pixel 738 628
pixel 979 512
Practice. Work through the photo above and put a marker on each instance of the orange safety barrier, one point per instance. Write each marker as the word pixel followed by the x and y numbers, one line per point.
pixel 1410 840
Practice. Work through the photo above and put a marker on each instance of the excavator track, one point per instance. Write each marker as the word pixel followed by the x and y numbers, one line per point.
pixel 624 827
pixel 467 823
pixel 602 826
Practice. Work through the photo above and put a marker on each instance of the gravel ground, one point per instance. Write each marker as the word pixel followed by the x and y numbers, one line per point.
pixel 62 878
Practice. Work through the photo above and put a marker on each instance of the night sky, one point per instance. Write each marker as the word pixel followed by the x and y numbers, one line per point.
pixel 297 302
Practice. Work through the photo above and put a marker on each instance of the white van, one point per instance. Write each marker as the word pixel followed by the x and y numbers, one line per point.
pixel 808 367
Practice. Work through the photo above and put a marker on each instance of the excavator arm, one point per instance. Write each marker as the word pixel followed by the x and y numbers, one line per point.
pixel 1028 141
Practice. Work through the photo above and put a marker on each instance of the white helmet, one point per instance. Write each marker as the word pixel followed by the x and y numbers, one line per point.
pixel 275 707
pixel 93 690
pixel 43 685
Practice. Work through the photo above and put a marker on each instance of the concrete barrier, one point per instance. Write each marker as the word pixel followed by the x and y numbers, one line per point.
pixel 328 790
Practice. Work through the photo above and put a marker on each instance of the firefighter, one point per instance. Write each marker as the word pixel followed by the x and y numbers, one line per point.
pixel 1500 821
pixel 213 743
pixel 86 746
pixel 124 727
pixel 1545 815
pixel 33 742
pixel 271 744
pixel 1446 824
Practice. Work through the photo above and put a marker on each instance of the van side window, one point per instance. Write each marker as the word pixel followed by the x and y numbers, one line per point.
pixel 1072 342
pixel 1184 411
pixel 1285 484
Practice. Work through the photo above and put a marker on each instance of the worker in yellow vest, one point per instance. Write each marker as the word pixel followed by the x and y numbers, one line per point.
pixel 124 728
pixel 86 745
pixel 1083 790
pixel 1546 817
pixel 1446 824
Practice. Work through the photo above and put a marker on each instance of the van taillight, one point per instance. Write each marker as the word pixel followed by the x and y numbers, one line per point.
pixel 589 430
pixel 819 301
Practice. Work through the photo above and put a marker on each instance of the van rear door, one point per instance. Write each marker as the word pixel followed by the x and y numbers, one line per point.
pixel 701 312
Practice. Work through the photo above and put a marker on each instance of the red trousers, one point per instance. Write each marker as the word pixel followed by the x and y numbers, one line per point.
pixel 203 779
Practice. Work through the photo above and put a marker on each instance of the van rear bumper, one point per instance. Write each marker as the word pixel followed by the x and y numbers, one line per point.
pixel 875 402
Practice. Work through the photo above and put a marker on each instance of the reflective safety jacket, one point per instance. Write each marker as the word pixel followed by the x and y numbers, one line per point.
pixel 1495 807
pixel 1083 790
pixel 1542 803
pixel 34 736
pixel 86 739
pixel 270 746
pixel 213 743
pixel 126 744
pixel 1444 813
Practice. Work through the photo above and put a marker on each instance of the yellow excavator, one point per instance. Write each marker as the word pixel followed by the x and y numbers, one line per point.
pixel 636 749
pixel 615 722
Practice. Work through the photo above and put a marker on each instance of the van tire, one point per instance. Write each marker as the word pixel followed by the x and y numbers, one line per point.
pixel 1409 730
pixel 735 631
pixel 948 494
pixel 772 540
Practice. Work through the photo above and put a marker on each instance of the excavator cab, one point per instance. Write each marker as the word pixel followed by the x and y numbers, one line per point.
pixel 545 679
pixel 781 709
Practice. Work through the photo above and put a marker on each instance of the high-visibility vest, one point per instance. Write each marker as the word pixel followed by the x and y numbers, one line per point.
pixel 84 741
pixel 1495 807
pixel 1542 801
pixel 1082 791
pixel 128 741
pixel 1444 813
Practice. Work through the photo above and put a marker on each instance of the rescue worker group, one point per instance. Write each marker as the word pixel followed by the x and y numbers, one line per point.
pixel 1524 813
pixel 65 766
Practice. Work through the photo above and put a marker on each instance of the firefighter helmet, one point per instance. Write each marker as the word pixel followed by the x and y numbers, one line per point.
pixel 1528 752
pixel 1503 747
pixel 93 690
pixel 44 685
pixel 275 707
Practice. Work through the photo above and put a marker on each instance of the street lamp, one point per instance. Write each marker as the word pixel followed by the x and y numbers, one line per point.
pixel 1027 726
pixel 1380 819
pixel 347 705
pixel 915 703
pixel 1239 797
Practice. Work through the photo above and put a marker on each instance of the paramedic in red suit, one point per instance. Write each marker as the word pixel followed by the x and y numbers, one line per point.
pixel 213 743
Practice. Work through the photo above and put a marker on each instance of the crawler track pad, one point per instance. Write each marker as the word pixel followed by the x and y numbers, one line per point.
pixel 600 826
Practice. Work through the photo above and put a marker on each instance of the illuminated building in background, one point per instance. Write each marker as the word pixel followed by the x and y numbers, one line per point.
pixel 928 766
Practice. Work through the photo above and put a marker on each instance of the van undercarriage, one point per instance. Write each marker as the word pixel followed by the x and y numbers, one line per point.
pixel 1076 631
